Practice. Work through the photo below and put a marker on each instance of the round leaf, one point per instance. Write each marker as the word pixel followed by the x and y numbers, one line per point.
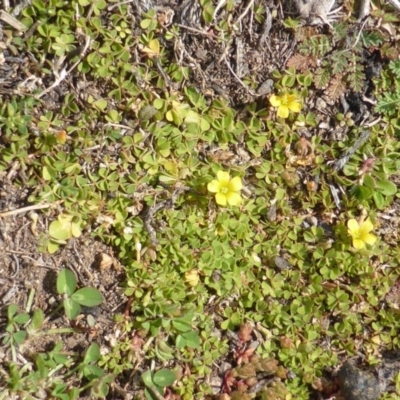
pixel 181 326
pixel 164 377
pixel 72 308
pixel 52 247
pixel 92 354
pixel 60 230
pixel 379 200
pixel 192 339
pixel 147 378
pixel 88 297
pixel 387 188
pixel 66 282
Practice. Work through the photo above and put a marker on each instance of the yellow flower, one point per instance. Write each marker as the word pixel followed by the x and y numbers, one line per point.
pixel 192 277
pixel 360 233
pixel 227 190
pixel 285 103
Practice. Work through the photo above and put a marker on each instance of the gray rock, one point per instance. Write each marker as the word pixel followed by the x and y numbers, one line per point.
pixel 356 384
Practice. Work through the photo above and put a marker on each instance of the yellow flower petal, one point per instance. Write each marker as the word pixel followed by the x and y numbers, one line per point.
pixel 358 244
pixel 369 238
pixel 275 100
pixel 220 199
pixel 233 198
pixel 192 277
pixel 214 186
pixel 223 177
pixel 283 112
pixel 235 185
pixel 294 105
pixel 353 226
pixel 366 227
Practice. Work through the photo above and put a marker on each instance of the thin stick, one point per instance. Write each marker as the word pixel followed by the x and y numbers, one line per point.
pixel 219 6
pixel 24 209
pixel 238 79
pixel 342 161
pixel 244 12
pixel 189 28
pixel 6 17
pixel 64 73
pixel 395 4
pixel 110 8
pixel 364 9
pixel 359 33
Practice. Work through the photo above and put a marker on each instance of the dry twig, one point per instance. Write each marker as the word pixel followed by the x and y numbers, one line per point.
pixel 395 4
pixel 24 209
pixel 364 9
pixel 64 73
pixel 148 212
pixel 10 20
pixel 342 161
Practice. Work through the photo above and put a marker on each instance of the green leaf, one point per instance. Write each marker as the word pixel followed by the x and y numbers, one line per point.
pixel 361 192
pixel 158 104
pixel 52 246
pixel 37 319
pixel 92 354
pixel 150 394
pixel 181 326
pixel 147 378
pixel 61 358
pixel 114 116
pixel 164 377
pixel 19 337
pixel 48 173
pixel 192 339
pixel 66 282
pixel 288 80
pixel 11 311
pixel 74 394
pixel 100 386
pixel 180 342
pixel 100 104
pixel 72 308
pixel 76 229
pixel 144 24
pixel 21 318
pixel 92 372
pixel 369 181
pixel 386 187
pixel 60 230
pixel 88 297
pixel 379 200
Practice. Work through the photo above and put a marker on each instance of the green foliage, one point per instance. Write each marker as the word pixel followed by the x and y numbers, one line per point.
pixel 14 335
pixel 156 382
pixel 388 90
pixel 111 162
pixel 48 373
pixel 74 299
pixel 341 56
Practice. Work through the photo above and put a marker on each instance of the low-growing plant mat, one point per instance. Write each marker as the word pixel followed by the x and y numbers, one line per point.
pixel 199 200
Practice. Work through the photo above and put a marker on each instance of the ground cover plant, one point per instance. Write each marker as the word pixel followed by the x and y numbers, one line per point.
pixel 199 200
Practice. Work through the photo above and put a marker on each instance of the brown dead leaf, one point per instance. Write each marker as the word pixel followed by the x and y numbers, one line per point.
pixel 301 62
pixel 105 262
pixel 336 88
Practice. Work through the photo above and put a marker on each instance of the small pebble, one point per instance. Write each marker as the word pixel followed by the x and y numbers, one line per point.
pixel 266 87
pixel 52 300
